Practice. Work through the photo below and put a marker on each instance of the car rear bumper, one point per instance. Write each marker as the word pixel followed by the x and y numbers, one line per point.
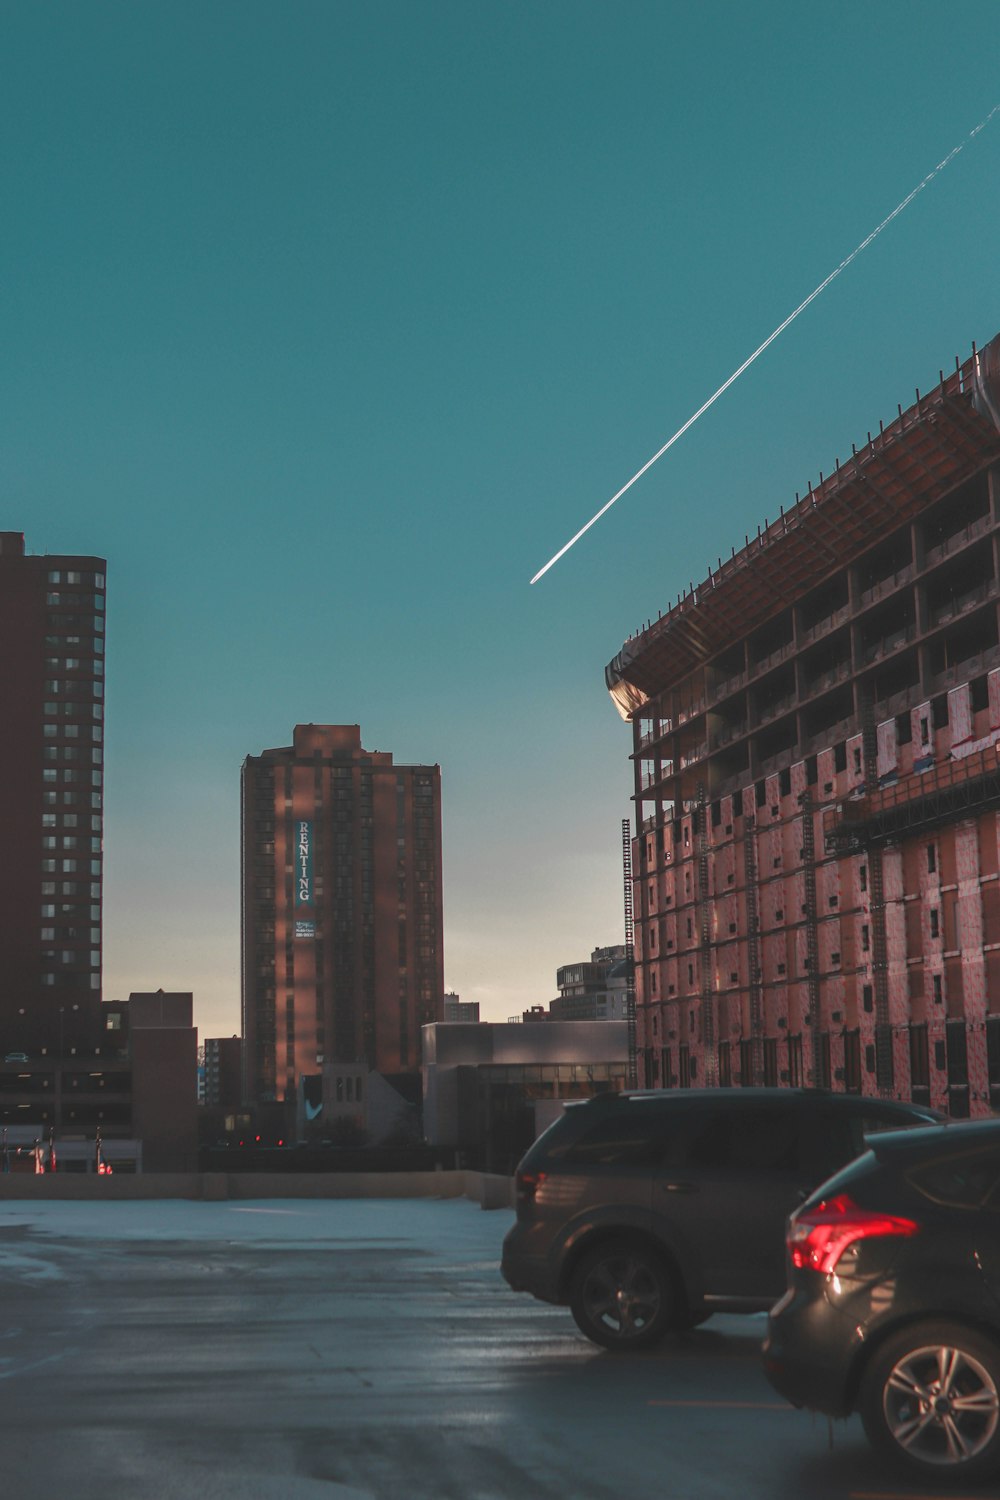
pixel 526 1275
pixel 525 1272
pixel 808 1352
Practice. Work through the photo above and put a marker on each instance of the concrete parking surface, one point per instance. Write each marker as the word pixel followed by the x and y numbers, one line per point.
pixel 348 1350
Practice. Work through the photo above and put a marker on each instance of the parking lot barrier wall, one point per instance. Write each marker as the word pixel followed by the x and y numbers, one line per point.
pixel 487 1189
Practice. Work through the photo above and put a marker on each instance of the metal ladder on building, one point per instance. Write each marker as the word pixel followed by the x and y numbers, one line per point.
pixel 876 891
pixel 708 1017
pixel 812 932
pixel 753 951
pixel 632 1072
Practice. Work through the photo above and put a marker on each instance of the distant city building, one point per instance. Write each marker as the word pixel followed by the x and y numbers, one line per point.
pixel 489 1089
pixel 223 1072
pixel 163 1051
pixel 347 1105
pixel 460 1010
pixel 594 991
pixel 342 911
pixel 51 799
pixel 137 1091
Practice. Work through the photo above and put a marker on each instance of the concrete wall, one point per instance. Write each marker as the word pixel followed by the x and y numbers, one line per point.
pixel 490 1190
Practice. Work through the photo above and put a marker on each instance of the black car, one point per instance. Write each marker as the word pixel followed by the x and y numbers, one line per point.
pixel 893 1300
pixel 649 1211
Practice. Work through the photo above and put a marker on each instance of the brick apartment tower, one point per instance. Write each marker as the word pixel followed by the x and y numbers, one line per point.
pixel 342 912
pixel 51 790
pixel 816 741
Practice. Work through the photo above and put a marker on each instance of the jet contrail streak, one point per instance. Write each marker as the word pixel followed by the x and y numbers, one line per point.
pixel 770 339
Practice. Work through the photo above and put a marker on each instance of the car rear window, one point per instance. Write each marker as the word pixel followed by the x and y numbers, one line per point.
pixel 965 1181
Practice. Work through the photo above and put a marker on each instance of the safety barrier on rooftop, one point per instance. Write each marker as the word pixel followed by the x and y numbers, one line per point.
pixel 488 1189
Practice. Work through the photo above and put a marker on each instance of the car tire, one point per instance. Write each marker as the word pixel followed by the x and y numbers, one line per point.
pixel 930 1399
pixel 622 1296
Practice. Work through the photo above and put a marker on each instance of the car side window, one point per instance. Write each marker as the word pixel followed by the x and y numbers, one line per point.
pixel 832 1143
pixel 968 1181
pixel 627 1138
pixel 751 1138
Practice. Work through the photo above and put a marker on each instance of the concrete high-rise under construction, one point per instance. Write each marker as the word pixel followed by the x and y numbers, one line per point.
pixel 815 738
pixel 342 910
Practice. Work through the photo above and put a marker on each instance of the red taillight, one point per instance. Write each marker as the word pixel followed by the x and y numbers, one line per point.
pixel 526 1185
pixel 818 1237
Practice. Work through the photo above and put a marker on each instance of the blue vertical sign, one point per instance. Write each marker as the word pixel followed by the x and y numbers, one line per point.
pixel 304 927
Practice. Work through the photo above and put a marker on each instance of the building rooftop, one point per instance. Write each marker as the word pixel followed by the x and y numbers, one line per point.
pixel 949 435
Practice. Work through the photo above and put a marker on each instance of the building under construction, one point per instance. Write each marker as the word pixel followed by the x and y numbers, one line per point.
pixel 816 726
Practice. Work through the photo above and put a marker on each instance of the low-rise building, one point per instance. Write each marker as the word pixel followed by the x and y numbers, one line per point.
pixel 488 1089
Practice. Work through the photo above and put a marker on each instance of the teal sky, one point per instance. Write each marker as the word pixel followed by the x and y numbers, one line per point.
pixel 329 323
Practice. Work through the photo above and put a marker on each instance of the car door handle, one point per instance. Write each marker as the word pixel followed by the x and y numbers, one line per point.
pixel 680 1187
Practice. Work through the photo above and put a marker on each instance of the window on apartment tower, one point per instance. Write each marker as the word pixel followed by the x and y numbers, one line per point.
pixel 852 1062
pixel 931 858
pixel 920 1075
pixel 935 922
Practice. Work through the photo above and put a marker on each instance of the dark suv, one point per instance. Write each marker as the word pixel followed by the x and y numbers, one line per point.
pixel 649 1211
pixel 893 1302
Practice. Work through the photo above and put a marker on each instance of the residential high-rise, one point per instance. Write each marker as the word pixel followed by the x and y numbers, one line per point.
pixel 816 730
pixel 51 807
pixel 342 911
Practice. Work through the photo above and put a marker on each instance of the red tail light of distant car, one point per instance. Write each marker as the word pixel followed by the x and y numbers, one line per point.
pixel 527 1185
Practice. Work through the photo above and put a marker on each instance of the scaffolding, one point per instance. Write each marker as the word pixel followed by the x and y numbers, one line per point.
pixel 632 1074
pixel 753 950
pixel 922 800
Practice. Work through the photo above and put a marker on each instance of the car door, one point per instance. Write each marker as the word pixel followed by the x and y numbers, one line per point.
pixel 726 1185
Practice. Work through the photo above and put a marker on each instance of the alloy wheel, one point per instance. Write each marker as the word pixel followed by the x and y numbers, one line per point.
pixel 623 1294
pixel 941 1405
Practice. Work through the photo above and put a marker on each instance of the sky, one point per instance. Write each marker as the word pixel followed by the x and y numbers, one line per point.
pixel 328 324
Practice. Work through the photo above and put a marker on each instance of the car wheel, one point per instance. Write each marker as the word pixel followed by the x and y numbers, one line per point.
pixel 622 1296
pixel 931 1399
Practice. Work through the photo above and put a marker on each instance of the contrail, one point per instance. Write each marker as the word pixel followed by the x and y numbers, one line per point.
pixel 771 338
